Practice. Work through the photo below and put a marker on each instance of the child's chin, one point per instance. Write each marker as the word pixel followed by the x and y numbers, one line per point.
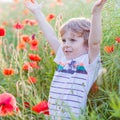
pixel 69 57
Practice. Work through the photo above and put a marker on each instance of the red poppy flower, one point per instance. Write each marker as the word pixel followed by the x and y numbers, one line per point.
pixel 109 49
pixel 7 104
pixel 50 17
pixel 4 23
pixel 59 2
pixel 27 65
pixel 18 26
pixel 117 39
pixel 25 12
pixel 94 88
pixel 16 1
pixel 25 38
pixel 25 21
pixel 8 71
pixel 32 80
pixel 34 44
pixel 32 22
pixel 2 32
pixel 21 46
pixel 26 104
pixel 34 64
pixel 34 57
pixel 41 107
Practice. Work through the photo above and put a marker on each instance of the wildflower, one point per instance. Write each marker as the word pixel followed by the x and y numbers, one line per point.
pixel 25 21
pixel 16 1
pixel 8 71
pixel 34 57
pixel 25 12
pixel 41 107
pixel 59 2
pixel 52 5
pixel 32 22
pixel 29 22
pixel 50 17
pixel 32 80
pixel 21 46
pixel 25 38
pixel 109 49
pixel 33 36
pixel 117 39
pixel 4 23
pixel 27 65
pixel 94 88
pixel 52 52
pixel 18 26
pixel 26 104
pixel 7 104
pixel 34 64
pixel 2 32
pixel 34 44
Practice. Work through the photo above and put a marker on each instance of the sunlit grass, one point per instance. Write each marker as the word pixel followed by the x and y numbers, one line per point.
pixel 103 104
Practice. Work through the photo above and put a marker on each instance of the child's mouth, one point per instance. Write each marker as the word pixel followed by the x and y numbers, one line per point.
pixel 68 52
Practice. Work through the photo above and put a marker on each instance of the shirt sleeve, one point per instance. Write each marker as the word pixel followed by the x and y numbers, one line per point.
pixel 94 68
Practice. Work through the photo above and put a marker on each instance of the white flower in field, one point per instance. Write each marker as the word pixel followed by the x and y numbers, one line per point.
pixel 100 74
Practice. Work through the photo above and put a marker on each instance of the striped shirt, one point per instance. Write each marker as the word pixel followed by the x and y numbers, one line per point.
pixel 70 86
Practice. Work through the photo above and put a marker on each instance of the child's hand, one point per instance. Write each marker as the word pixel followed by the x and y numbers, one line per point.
pixel 97 7
pixel 33 6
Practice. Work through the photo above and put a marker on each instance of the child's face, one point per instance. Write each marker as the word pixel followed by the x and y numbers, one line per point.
pixel 73 45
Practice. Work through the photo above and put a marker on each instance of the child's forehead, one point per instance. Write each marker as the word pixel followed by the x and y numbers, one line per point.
pixel 74 33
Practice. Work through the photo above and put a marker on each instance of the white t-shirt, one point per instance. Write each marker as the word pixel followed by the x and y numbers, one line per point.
pixel 71 84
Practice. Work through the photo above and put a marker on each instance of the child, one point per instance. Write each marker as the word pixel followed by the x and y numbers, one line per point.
pixel 78 59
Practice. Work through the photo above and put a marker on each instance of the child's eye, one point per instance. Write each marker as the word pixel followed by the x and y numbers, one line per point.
pixel 72 40
pixel 63 40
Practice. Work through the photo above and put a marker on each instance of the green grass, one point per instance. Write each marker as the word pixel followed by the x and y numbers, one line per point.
pixel 103 105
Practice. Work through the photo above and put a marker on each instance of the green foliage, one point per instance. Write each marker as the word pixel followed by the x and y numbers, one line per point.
pixel 115 105
pixel 103 105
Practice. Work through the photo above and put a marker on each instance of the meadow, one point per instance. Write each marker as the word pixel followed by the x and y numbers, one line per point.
pixel 27 67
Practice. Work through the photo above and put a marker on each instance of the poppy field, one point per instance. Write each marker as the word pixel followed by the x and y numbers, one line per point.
pixel 27 61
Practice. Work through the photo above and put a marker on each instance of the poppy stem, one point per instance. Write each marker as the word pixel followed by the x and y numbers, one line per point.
pixel 1 56
pixel 18 36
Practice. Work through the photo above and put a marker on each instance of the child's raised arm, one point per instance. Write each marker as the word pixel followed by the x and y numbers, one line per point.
pixel 46 28
pixel 96 30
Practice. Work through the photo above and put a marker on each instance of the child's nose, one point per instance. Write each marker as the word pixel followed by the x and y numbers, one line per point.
pixel 67 44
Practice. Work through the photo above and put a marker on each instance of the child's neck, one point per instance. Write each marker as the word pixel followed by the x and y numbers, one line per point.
pixel 71 58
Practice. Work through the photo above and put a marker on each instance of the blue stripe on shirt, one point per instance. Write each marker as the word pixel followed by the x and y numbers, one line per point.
pixel 68 83
pixel 66 88
pixel 66 94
